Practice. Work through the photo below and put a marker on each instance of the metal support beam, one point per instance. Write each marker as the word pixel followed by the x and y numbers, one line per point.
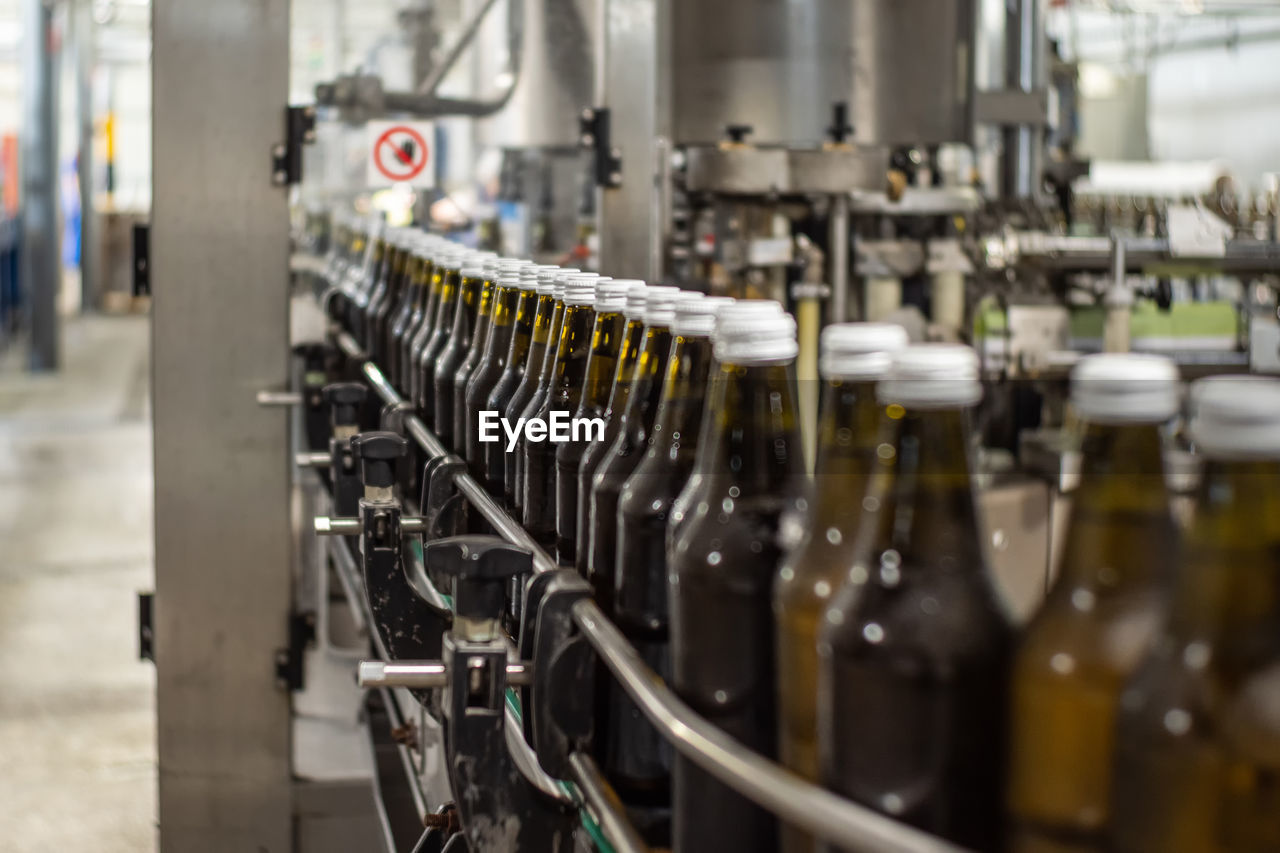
pixel 220 267
pixel 82 28
pixel 1022 162
pixel 41 261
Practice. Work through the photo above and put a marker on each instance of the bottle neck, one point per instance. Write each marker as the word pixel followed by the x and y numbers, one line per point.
pixel 1122 468
pixel 1228 592
pixel 468 307
pixel 448 300
pixel 646 383
pixel 606 342
pixel 848 432
pixel 925 499
pixel 752 438
pixel 573 352
pixel 684 392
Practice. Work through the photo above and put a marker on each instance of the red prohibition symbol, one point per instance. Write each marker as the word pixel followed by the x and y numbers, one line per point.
pixel 400 153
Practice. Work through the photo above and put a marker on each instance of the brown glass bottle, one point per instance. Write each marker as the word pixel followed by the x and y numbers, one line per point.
pixel 455 349
pixel 1198 740
pixel 1100 617
pixel 854 356
pixel 722 568
pixel 569 371
pixel 422 324
pixel 412 299
pixel 492 364
pixel 471 358
pixel 528 349
pixel 388 295
pixel 602 364
pixel 367 282
pixel 915 648
pixel 619 393
pixel 636 759
pixel 529 397
pixel 624 454
pixel 446 314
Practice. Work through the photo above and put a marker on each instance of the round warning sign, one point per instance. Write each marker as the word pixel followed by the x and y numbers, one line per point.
pixel 400 153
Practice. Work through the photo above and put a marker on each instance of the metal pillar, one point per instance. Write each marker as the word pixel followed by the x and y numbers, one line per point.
pixel 41 264
pixel 631 81
pixel 219 270
pixel 1024 41
pixel 82 26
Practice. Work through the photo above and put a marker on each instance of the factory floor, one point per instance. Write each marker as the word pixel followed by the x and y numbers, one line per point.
pixel 77 707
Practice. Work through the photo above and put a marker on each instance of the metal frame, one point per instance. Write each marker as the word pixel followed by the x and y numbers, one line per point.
pixel 220 266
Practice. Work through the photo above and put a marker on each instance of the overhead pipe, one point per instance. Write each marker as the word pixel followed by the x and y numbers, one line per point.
pixel 364 93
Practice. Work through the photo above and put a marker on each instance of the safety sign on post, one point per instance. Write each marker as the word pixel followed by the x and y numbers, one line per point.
pixel 400 152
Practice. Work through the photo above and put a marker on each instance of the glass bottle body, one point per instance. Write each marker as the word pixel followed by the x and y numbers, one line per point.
pixel 848 432
pixel 915 649
pixel 622 457
pixel 619 394
pixel 470 361
pixel 528 345
pixel 722 569
pixel 602 364
pixel 487 373
pixel 421 335
pixel 1198 741
pixel 446 315
pixel 561 399
pixel 450 357
pixel 529 398
pixel 1096 624
pixel 635 757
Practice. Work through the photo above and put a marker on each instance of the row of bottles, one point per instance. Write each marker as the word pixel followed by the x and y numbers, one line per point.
pixel 847 624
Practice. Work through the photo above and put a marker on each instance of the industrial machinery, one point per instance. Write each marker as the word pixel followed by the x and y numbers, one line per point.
pixel 818 154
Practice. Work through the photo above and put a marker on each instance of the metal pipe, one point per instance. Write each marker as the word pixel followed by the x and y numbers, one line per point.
pixel 455 50
pixel 41 266
pixel 604 803
pixel 424 674
pixel 755 777
pixel 838 255
pixel 1095 254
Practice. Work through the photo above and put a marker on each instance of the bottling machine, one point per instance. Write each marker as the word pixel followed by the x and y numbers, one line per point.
pixel 816 153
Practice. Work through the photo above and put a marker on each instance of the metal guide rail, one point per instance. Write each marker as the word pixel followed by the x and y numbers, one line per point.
pixel 755 777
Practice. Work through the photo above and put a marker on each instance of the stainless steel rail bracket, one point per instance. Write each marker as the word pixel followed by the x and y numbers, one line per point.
pixel 564 689
pixel 501 809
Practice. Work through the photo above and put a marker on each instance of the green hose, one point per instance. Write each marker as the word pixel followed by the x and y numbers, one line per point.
pixel 513 702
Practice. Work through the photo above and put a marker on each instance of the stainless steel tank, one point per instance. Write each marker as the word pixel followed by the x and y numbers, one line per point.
pixel 776 65
pixel 904 67
pixel 556 74
pixel 912 71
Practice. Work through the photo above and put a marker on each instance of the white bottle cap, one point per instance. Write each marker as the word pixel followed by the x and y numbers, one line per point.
pixel 635 299
pixel 581 289
pixel 547 279
pixel 472 269
pixel 696 314
pixel 932 376
pixel 755 331
pixel 561 279
pixel 1116 388
pixel 660 305
pixel 611 296
pixel 860 350
pixel 1236 417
